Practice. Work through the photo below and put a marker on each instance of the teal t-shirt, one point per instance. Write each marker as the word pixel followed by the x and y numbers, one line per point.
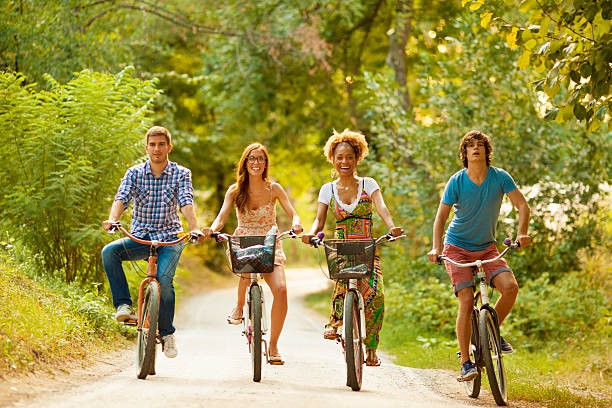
pixel 476 207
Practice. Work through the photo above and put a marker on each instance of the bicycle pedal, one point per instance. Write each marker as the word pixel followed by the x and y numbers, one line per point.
pixel 461 379
pixel 131 322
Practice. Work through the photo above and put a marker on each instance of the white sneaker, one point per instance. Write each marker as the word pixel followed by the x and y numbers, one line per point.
pixel 169 346
pixel 125 312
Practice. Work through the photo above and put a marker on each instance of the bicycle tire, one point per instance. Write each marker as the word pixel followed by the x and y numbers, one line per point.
pixel 353 352
pixel 472 387
pixel 147 335
pixel 492 355
pixel 255 322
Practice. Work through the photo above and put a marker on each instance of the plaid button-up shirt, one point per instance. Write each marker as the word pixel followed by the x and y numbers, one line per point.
pixel 156 200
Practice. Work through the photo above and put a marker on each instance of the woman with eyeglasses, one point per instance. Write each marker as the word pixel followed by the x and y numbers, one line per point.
pixel 255 196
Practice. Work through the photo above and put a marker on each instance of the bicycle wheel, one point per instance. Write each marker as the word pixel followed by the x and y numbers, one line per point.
pixel 353 352
pixel 472 387
pixel 492 356
pixel 148 333
pixel 255 327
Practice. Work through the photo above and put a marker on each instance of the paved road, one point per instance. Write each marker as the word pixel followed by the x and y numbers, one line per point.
pixel 213 367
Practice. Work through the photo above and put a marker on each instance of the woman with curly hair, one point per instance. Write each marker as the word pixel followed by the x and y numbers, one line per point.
pixel 350 199
pixel 254 196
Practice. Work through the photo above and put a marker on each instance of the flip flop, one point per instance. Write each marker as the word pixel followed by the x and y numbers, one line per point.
pixel 371 363
pixel 233 320
pixel 330 334
pixel 276 360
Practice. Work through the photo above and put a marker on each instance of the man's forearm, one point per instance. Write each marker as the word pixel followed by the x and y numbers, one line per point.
pixel 188 212
pixel 116 210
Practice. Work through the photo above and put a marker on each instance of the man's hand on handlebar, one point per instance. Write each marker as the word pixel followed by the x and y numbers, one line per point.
pixel 523 240
pixel 396 231
pixel 433 255
pixel 108 224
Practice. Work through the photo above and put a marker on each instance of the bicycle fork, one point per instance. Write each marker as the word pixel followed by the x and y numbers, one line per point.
pixel 485 299
pixel 264 314
pixel 352 286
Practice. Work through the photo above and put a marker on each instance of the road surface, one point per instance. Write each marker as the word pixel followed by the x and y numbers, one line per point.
pixel 213 367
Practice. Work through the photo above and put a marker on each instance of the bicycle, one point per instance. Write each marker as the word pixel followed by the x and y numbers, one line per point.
pixel 485 346
pixel 253 255
pixel 350 260
pixel 149 294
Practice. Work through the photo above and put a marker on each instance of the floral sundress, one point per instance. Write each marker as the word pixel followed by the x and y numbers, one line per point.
pixel 259 222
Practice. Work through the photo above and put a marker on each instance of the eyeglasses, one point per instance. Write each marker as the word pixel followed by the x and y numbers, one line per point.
pixel 258 159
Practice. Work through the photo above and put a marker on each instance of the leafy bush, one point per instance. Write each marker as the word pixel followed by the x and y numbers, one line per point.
pixel 570 310
pixel 67 149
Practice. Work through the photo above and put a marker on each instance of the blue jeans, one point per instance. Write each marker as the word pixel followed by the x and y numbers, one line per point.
pixel 124 249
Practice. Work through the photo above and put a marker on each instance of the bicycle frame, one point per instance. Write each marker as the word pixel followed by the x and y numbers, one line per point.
pixel 352 287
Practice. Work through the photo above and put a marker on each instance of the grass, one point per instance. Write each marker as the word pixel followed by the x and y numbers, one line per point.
pixel 46 323
pixel 563 376
pixel 43 325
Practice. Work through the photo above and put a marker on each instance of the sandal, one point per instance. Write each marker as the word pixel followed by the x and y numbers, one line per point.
pixel 372 359
pixel 330 333
pixel 234 320
pixel 275 360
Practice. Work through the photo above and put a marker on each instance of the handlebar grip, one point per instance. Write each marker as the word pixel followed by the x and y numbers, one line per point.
pixel 194 237
pixel 316 241
pixel 439 259
pixel 218 236
pixel 508 242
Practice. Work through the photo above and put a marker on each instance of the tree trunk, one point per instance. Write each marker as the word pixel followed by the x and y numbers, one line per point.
pixel 398 39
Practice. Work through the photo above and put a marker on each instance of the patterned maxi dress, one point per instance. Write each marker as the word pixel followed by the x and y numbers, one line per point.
pixel 259 222
pixel 358 225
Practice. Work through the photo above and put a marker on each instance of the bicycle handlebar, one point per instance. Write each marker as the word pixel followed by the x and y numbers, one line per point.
pixel 117 226
pixel 507 242
pixel 222 237
pixel 318 240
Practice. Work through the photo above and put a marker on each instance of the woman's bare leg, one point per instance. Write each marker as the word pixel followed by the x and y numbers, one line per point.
pixel 278 286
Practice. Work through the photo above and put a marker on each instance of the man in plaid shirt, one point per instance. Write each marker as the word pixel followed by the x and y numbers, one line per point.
pixel 159 189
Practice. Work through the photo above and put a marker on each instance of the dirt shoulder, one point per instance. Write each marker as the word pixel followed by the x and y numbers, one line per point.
pixel 15 389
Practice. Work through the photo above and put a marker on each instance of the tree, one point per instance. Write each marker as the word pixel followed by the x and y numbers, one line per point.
pixel 66 150
pixel 569 42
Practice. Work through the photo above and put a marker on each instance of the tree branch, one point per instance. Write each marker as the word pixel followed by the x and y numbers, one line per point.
pixel 161 12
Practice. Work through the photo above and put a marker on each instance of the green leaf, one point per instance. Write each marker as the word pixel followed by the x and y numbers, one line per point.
pixel 586 70
pixel 601 112
pixel 575 76
pixel 579 111
pixel 551 114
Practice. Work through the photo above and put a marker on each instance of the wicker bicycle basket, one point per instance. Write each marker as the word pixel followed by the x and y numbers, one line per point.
pixel 349 259
pixel 249 254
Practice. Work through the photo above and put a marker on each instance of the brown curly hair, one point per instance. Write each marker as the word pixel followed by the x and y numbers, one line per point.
pixel 354 139
pixel 478 136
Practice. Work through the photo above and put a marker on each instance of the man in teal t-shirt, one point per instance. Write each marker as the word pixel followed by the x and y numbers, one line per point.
pixel 475 193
